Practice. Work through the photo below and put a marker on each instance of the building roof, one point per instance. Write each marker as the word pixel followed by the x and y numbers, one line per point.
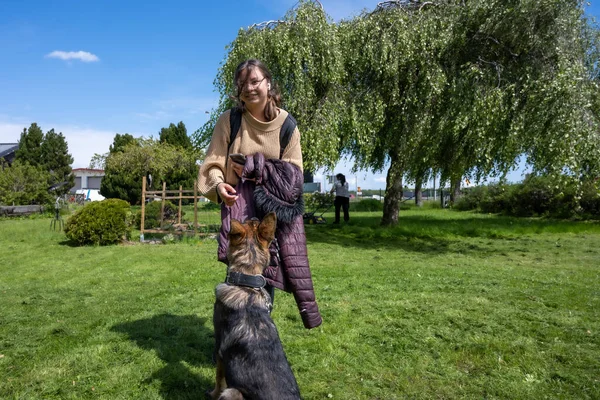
pixel 101 171
pixel 8 148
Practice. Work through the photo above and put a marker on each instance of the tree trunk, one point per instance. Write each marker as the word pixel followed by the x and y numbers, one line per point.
pixel 419 192
pixel 455 189
pixel 393 195
pixel 442 200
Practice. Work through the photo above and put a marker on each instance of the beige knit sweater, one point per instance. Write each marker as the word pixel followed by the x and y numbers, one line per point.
pixel 254 137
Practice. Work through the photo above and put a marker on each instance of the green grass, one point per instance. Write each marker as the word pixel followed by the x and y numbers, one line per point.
pixel 447 305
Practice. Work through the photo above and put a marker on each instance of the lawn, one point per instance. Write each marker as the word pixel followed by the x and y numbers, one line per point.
pixel 447 305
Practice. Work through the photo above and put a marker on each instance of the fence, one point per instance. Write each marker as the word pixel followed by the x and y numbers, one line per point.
pixel 165 195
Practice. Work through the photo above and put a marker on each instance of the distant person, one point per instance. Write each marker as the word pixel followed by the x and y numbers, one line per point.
pixel 342 197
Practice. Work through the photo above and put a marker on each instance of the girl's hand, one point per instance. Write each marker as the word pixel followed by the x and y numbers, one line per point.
pixel 227 193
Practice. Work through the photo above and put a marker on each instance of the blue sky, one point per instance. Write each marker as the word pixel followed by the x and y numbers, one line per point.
pixel 91 69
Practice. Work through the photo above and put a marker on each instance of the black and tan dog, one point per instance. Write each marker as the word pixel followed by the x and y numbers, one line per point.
pixel 251 363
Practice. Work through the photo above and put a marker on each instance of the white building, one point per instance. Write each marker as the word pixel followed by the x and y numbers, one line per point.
pixel 86 178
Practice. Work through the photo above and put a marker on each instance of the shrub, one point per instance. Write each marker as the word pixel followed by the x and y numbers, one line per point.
pixel 590 199
pixel 471 198
pixel 318 201
pixel 210 206
pixel 557 197
pixel 100 223
pixel 152 217
pixel 368 205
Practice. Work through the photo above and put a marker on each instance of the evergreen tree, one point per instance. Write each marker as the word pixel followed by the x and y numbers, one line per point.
pixel 30 145
pixel 176 135
pixel 55 159
pixel 120 142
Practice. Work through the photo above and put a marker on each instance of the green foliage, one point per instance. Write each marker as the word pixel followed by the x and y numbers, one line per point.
pixel 210 206
pixel 50 152
pixel 24 184
pixel 56 159
pixel 318 201
pixel 558 197
pixel 152 217
pixel 30 145
pixel 164 162
pixel 176 135
pixel 305 57
pixel 457 88
pixel 120 142
pixel 100 223
pixel 367 205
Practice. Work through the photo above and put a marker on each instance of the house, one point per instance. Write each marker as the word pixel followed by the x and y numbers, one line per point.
pixel 8 151
pixel 87 178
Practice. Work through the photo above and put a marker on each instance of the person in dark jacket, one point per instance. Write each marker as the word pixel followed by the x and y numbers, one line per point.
pixel 270 180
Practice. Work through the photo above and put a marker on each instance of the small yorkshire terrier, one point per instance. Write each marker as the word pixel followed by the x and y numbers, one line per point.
pixel 251 363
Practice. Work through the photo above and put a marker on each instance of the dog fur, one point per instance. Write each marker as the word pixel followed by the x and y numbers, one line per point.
pixel 251 363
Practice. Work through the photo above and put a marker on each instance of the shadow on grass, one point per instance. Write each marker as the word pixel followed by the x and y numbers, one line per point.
pixel 177 340
pixel 439 232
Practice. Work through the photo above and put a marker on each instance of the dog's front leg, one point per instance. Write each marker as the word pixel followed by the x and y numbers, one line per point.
pixel 220 383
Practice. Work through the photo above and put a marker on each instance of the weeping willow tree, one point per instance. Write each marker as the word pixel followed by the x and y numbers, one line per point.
pixel 465 88
pixel 460 88
pixel 394 83
pixel 304 55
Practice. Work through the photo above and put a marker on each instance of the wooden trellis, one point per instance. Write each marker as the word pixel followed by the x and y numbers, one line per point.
pixel 169 195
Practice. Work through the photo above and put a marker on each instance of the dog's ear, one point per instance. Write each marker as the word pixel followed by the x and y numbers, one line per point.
pixel 267 227
pixel 236 228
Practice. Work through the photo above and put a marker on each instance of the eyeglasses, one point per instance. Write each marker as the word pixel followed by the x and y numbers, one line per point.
pixel 252 84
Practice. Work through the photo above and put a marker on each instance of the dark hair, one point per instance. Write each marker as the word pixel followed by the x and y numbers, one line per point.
pixel 274 97
pixel 341 178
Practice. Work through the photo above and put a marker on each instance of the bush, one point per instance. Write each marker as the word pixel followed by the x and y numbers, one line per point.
pixel 152 217
pixel 210 206
pixel 590 199
pixel 471 198
pixel 318 201
pixel 100 223
pixel 557 197
pixel 368 205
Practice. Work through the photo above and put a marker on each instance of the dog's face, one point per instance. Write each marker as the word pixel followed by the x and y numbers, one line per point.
pixel 249 242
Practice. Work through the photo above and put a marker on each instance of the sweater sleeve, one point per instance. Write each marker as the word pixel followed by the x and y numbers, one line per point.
pixel 212 170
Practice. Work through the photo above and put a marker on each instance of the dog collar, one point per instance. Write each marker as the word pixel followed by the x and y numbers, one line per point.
pixel 239 279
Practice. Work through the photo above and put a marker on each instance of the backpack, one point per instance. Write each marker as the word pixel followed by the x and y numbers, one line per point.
pixel 287 129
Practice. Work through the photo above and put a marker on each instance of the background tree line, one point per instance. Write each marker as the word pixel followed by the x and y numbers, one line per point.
pixel 170 158
pixel 41 169
pixel 449 87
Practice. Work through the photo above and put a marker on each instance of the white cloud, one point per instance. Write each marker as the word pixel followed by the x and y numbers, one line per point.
pixel 73 55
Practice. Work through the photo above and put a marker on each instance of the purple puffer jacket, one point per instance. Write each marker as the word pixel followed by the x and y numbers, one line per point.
pixel 277 187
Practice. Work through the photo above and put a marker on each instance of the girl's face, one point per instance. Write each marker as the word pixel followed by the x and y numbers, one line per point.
pixel 254 89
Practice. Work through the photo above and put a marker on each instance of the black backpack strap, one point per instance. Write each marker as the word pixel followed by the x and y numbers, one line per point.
pixel 287 129
pixel 235 122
